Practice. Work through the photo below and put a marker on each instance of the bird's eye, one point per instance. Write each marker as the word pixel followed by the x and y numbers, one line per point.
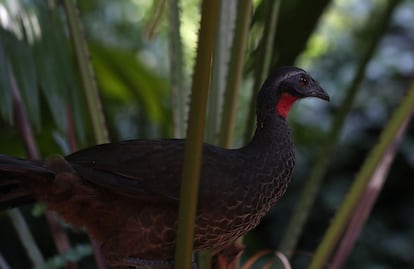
pixel 303 81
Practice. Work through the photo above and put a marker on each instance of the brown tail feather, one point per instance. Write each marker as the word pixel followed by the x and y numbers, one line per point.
pixel 14 172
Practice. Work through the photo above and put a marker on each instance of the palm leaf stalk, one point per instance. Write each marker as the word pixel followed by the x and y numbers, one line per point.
pixel 238 50
pixel 387 140
pixel 158 10
pixel 178 88
pixel 59 236
pixel 3 263
pixel 193 144
pixel 262 63
pixel 221 56
pixel 91 92
pixel 310 190
pixel 26 237
pixel 232 80
pixel 225 35
pixel 368 198
pixel 86 73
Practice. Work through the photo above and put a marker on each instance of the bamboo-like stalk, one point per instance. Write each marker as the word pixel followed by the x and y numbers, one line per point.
pixel 20 117
pixel 244 11
pixel 368 198
pixel 308 195
pixel 178 89
pixel 91 93
pixel 59 236
pixel 86 73
pixel 193 144
pixel 235 71
pixel 3 263
pixel 71 137
pixel 25 236
pixel 204 259
pixel 361 181
pixel 262 64
pixel 225 35
pixel 220 67
pixel 158 10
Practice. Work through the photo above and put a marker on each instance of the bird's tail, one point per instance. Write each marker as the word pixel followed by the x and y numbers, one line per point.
pixel 15 175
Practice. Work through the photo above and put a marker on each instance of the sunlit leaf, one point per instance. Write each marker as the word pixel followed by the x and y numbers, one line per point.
pixel 124 79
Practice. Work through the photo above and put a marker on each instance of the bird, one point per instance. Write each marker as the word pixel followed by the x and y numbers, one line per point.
pixel 126 194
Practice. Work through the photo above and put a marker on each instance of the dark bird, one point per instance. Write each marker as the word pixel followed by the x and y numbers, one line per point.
pixel 126 194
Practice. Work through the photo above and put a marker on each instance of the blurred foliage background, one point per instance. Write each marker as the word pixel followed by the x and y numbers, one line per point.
pixel 129 50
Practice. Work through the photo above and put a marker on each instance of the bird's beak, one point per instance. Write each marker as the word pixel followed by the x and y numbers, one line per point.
pixel 318 92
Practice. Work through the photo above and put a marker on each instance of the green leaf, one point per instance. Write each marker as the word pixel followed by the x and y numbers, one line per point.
pixel 123 79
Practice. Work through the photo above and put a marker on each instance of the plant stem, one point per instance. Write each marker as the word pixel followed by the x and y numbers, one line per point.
pixel 178 89
pixel 91 93
pixel 368 198
pixel 344 212
pixel 3 263
pixel 263 61
pixel 225 35
pixel 61 240
pixel 193 144
pixel 25 236
pixel 244 11
pixel 156 15
pixel 310 190
pixel 86 73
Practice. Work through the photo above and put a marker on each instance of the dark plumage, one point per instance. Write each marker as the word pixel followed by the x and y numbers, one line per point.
pixel 126 194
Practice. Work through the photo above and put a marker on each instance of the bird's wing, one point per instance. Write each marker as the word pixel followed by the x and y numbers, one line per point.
pixel 152 169
pixel 145 169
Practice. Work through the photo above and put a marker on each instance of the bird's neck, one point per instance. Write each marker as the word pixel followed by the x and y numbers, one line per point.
pixel 271 153
pixel 271 132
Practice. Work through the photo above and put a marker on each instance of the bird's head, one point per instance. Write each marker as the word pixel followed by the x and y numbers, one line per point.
pixel 285 86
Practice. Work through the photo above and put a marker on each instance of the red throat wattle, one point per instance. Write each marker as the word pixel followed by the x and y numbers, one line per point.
pixel 285 103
